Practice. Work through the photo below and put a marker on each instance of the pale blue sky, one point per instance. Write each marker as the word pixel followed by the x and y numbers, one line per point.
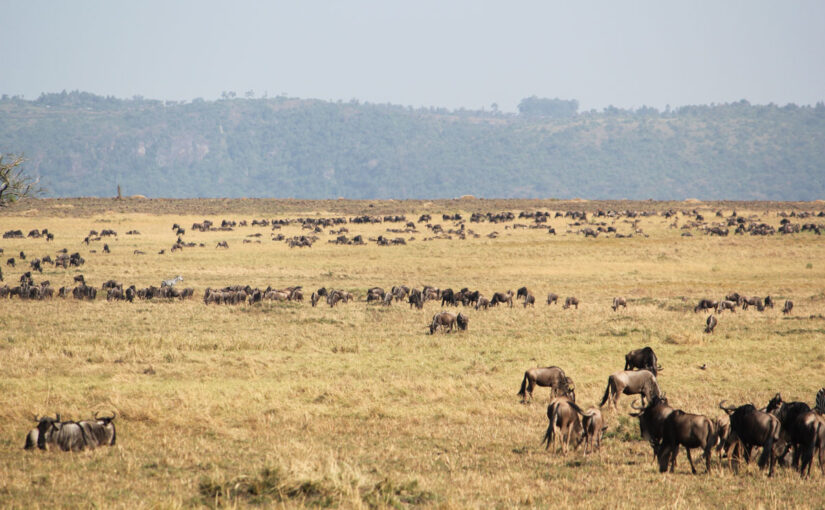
pixel 422 53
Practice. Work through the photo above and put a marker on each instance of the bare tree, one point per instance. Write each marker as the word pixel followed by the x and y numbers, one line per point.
pixel 14 183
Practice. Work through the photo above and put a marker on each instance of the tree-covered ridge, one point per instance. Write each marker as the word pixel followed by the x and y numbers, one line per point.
pixel 81 144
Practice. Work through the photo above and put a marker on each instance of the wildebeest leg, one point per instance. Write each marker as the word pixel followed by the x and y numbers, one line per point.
pixel 690 459
pixel 708 455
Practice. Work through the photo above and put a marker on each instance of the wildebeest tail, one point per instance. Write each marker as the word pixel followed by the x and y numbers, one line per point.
pixel 523 391
pixel 606 394
pixel 820 401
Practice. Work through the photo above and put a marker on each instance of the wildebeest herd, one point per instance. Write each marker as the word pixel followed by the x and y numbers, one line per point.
pixel 779 429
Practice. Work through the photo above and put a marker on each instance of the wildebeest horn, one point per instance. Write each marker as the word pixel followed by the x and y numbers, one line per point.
pixel 640 408
pixel 110 418
pixel 36 418
pixel 726 409
pixel 659 367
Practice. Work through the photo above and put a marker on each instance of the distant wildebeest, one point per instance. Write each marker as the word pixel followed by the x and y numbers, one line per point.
pixel 690 431
pixel 617 302
pixel 447 321
pixel 416 299
pixel 710 323
pixel 755 428
pixel 651 420
pixel 551 377
pixel 571 301
pixel 727 304
pixel 629 382
pixel 448 297
pixel 788 307
pixel 644 359
pixel 482 302
pixel 552 298
pixel 222 244
pixel 502 297
pixel 10 262
pixel 522 293
pixel 751 301
pixel 529 299
pixel 768 302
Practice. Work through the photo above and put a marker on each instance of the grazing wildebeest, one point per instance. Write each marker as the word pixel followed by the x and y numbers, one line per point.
pixel 571 301
pixel 10 262
pixel 710 323
pixel 690 431
pixel 630 382
pixel 651 419
pixel 71 436
pixel 705 304
pixel 564 414
pixel 448 297
pixel 727 304
pixel 768 302
pixel 617 302
pixel 447 321
pixel 522 292
pixel 482 302
pixel 529 299
pixel 552 298
pixel 644 359
pixel 551 377
pixel 751 301
pixel 788 307
pixel 502 297
pixel 222 244
pixel 755 428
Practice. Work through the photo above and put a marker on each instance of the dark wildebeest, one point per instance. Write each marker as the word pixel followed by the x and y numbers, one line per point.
pixel 222 244
pixel 788 307
pixel 630 382
pixel 788 412
pixel 552 298
pixel 522 292
pixel 571 301
pixel 768 302
pixel 755 428
pixel 551 377
pixel 448 321
pixel 416 299
pixel 644 359
pixel 705 304
pixel 651 419
pixel 617 302
pixel 710 323
pixel 690 431
pixel 502 297
pixel 564 414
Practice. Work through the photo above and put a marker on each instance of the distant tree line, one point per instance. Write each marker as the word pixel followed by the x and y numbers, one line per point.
pixel 81 144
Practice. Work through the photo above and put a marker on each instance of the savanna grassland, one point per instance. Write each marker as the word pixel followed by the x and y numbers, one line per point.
pixel 357 406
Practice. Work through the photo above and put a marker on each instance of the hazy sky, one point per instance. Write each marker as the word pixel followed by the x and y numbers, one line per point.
pixel 421 53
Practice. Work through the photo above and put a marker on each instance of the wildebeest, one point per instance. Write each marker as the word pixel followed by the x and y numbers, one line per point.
pixel 502 297
pixel 651 419
pixel 416 299
pixel 690 431
pixel 768 302
pixel 787 413
pixel 710 323
pixel 551 377
pixel 726 304
pixel 552 298
pixel 448 321
pixel 529 299
pixel 564 414
pixel 482 302
pixel 522 293
pixel 571 301
pixel 70 435
pixel 593 428
pixel 788 307
pixel 755 428
pixel 644 359
pixel 617 302
pixel 222 244
pixel 630 382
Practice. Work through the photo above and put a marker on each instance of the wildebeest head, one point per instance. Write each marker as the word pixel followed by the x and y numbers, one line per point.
pixel 463 321
pixel 46 426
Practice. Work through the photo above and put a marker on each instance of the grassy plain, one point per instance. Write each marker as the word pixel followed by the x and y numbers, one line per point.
pixel 284 404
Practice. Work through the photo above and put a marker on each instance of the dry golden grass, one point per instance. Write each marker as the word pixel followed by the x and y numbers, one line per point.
pixel 284 404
